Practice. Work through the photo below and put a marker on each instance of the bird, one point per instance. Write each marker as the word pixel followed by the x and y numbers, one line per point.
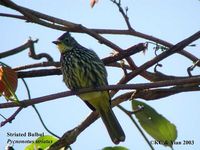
pixel 82 68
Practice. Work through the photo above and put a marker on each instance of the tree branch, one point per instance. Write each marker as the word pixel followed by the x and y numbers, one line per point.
pixel 11 118
pixel 70 136
pixel 38 73
pixel 36 65
pixel 118 4
pixel 17 49
pixel 26 103
pixel 154 94
pixel 176 48
pixel 69 26
pixel 33 55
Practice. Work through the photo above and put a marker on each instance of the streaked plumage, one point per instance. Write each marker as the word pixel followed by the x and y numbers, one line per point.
pixel 82 68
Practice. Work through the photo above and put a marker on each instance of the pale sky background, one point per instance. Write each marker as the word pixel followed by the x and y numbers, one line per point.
pixel 169 20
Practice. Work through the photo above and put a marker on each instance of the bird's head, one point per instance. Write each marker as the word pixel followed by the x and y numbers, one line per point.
pixel 65 42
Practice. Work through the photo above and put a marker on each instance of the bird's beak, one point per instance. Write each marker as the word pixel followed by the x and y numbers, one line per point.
pixel 56 42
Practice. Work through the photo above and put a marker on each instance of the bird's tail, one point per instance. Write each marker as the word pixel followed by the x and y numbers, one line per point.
pixel 114 129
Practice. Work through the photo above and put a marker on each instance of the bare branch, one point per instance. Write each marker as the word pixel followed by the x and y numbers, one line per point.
pixel 36 65
pixel 36 17
pixel 125 53
pixel 175 49
pixel 187 81
pixel 154 94
pixel 125 16
pixel 33 55
pixel 38 73
pixel 69 26
pixel 13 16
pixel 17 49
pixel 11 118
pixel 29 44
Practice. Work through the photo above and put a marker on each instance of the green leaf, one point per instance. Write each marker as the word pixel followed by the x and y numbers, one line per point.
pixel 115 148
pixel 42 143
pixel 155 124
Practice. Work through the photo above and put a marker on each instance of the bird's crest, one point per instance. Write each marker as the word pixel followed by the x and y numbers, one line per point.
pixel 65 35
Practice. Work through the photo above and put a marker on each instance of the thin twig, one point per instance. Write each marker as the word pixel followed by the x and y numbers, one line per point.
pixel 125 16
pixel 136 124
pixel 11 118
pixel 154 94
pixel 33 55
pixel 176 48
pixel 16 50
pixel 36 65
pixel 38 73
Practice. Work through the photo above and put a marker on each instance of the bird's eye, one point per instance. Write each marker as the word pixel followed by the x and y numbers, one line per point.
pixel 67 40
